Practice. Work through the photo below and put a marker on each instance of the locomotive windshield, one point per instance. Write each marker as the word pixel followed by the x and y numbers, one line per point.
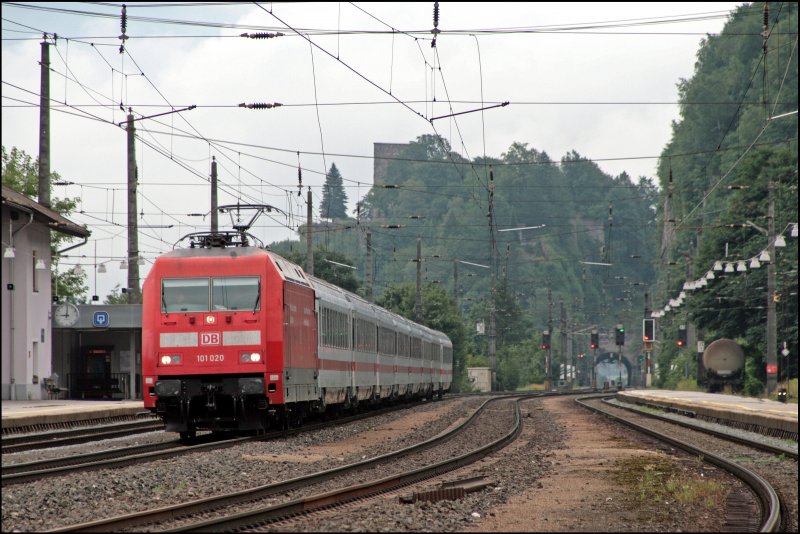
pixel 207 294
pixel 240 293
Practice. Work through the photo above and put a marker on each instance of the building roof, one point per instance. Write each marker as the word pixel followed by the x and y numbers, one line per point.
pixel 43 214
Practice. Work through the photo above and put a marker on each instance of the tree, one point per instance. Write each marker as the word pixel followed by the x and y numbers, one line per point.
pixel 21 173
pixel 116 297
pixel 334 199
pixel 337 275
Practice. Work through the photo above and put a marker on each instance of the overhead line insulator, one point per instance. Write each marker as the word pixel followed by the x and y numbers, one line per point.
pixel 260 105
pixel 262 35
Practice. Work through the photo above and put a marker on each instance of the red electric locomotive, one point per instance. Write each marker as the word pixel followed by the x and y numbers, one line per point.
pixel 235 337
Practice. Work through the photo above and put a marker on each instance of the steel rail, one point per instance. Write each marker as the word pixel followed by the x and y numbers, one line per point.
pixel 28 471
pixel 207 504
pixel 768 498
pixel 723 435
pixel 76 436
pixel 347 495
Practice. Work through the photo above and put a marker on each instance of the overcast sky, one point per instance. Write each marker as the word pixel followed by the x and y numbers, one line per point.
pixel 597 78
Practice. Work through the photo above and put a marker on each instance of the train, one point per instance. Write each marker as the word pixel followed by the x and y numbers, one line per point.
pixel 722 366
pixel 237 338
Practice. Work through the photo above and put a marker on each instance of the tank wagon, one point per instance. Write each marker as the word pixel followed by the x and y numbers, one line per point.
pixel 723 366
pixel 237 338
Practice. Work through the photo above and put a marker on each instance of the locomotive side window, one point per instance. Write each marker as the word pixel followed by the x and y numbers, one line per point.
pixel 235 293
pixel 184 294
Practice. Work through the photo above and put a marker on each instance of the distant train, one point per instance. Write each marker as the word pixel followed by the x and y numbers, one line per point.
pixel 722 366
pixel 235 337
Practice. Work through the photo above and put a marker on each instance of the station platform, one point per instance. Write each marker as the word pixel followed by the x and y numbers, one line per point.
pixel 51 413
pixel 738 411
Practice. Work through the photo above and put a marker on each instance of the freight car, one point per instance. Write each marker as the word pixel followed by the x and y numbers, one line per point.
pixel 237 338
pixel 722 366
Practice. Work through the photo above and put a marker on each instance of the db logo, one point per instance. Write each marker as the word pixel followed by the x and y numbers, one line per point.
pixel 209 338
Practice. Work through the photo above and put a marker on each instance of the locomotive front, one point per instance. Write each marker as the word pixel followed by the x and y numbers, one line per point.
pixel 205 345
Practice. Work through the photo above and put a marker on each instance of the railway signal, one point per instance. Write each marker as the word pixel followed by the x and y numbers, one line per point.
pixel 682 335
pixel 619 332
pixel 648 329
pixel 546 340
pixel 595 340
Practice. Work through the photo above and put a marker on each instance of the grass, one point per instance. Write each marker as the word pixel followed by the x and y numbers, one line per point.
pixel 531 387
pixel 656 479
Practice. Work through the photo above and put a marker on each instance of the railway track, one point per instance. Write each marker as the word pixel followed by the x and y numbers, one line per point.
pixel 121 457
pixel 716 450
pixel 313 492
pixel 61 438
pixel 730 436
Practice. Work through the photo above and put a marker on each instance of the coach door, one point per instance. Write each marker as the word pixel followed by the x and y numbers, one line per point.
pixel 301 361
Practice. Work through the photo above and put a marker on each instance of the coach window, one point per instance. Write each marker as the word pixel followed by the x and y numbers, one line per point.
pixel 184 294
pixel 235 293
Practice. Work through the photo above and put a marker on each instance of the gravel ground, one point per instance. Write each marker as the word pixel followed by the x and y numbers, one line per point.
pixel 72 499
pixel 562 474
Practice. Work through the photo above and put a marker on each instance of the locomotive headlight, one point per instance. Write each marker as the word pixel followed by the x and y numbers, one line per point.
pixel 250 357
pixel 170 359
pixel 166 360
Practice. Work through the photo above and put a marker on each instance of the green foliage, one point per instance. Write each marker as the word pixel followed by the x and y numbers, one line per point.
pixel 334 198
pixel 21 173
pixel 337 275
pixel 713 141
pixel 116 296
pixel 519 365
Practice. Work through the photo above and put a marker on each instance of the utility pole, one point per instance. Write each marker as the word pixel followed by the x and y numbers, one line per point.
pixel 133 244
pixel 134 296
pixel 214 214
pixel 548 379
pixel 44 127
pixel 595 337
pixel 566 361
pixel 772 334
pixel 648 345
pixel 309 237
pixel 369 266
pixel 418 298
pixel 455 282
pixel 492 306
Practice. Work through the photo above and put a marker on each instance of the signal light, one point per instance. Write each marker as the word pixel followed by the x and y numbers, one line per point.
pixel 595 339
pixel 682 335
pixel 546 340
pixel 620 334
pixel 648 329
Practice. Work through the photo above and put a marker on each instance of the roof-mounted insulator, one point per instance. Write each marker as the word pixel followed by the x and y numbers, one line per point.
pixel 260 105
pixel 435 30
pixel 261 35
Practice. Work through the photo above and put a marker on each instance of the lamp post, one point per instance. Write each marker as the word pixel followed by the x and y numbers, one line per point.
pixel 772 335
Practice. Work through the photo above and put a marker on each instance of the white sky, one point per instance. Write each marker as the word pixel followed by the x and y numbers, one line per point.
pixel 606 91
